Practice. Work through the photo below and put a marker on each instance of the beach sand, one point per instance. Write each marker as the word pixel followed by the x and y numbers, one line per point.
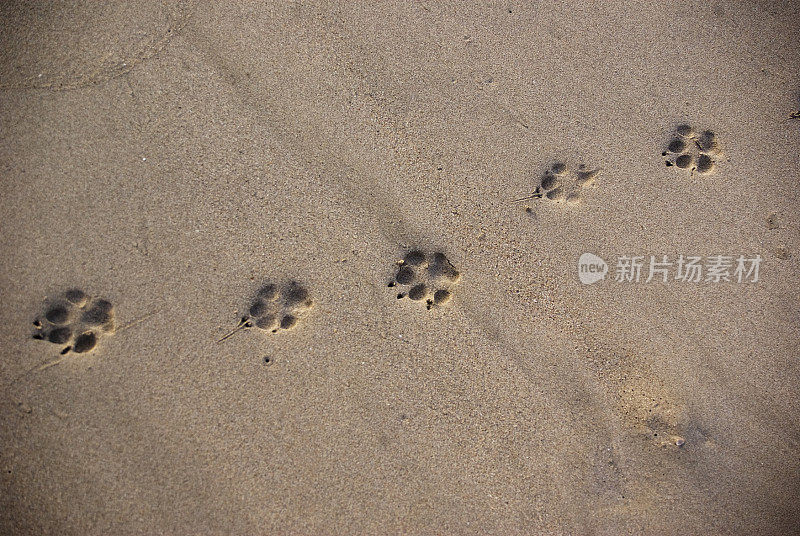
pixel 174 159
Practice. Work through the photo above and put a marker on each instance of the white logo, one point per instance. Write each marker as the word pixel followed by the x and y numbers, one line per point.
pixel 662 269
pixel 591 268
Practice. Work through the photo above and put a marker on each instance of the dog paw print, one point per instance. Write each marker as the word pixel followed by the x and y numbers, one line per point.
pixel 425 278
pixel 75 320
pixel 692 151
pixel 275 308
pixel 560 184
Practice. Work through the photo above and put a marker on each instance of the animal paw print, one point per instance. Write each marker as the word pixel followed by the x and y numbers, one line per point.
pixel 276 308
pixel 692 151
pixel 429 278
pixel 560 185
pixel 75 320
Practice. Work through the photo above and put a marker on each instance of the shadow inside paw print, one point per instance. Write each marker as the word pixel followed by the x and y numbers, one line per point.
pixel 75 320
pixel 692 151
pixel 426 278
pixel 275 308
pixel 560 184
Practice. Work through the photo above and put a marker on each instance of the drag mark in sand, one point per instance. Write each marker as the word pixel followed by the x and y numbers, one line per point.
pixel 76 72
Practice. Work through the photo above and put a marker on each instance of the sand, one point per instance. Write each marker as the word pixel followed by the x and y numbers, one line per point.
pixel 173 159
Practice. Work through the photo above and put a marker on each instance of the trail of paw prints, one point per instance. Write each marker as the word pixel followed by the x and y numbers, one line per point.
pixel 560 184
pixel 275 308
pixel 75 321
pixel 692 151
pixel 425 278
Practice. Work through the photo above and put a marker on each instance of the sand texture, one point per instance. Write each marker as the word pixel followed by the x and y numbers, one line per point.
pixel 311 268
